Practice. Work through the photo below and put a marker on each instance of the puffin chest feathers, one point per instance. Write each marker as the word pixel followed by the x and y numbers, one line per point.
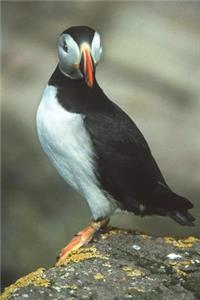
pixel 68 145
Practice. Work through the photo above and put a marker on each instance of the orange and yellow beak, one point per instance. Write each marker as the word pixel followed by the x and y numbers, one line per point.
pixel 86 65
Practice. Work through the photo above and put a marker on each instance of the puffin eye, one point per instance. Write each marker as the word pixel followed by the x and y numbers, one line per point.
pixel 65 47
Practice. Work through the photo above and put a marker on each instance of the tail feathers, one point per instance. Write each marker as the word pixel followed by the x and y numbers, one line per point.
pixel 174 205
pixel 183 218
pixel 164 198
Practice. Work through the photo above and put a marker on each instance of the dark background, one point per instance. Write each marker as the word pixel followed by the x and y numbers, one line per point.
pixel 150 67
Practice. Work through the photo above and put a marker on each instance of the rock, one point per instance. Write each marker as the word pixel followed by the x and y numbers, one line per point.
pixel 119 264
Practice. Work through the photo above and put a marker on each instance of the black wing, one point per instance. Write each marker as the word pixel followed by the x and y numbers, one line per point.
pixel 125 166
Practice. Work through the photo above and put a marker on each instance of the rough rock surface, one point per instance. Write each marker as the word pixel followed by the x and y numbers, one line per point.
pixel 119 264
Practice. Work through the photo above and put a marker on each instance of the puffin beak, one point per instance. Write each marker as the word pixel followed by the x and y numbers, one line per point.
pixel 86 65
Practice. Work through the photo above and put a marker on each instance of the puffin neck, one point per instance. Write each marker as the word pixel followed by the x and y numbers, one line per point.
pixel 59 79
pixel 74 94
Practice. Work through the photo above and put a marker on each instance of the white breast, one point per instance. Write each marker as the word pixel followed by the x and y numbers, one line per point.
pixel 66 142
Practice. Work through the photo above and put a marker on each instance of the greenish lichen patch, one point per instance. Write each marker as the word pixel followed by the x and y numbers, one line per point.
pixel 34 278
pixel 133 272
pixel 82 254
pixel 112 232
pixel 185 243
pixel 99 276
pixel 136 289
pixel 72 287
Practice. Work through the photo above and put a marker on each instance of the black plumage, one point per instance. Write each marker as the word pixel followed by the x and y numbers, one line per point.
pixel 125 166
pixel 80 34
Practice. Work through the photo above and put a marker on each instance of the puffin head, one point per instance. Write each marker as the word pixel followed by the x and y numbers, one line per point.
pixel 79 51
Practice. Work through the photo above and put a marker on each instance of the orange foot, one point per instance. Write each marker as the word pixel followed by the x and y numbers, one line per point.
pixel 80 239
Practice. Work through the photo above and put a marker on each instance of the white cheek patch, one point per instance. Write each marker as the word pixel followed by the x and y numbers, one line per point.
pixel 72 55
pixel 96 47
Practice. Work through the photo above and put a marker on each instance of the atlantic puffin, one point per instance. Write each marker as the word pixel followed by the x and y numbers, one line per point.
pixel 95 146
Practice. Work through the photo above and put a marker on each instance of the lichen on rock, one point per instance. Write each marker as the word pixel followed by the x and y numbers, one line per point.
pixel 119 264
pixel 182 243
pixel 35 278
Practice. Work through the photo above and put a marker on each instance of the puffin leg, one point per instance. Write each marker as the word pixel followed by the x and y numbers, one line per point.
pixel 81 238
